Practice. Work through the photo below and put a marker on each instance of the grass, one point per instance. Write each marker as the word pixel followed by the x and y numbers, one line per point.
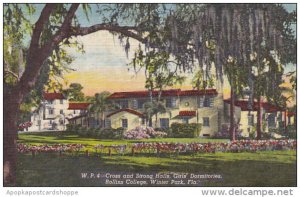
pixel 277 168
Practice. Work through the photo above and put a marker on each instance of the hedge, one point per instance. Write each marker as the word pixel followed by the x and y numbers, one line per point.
pixel 180 130
pixel 101 133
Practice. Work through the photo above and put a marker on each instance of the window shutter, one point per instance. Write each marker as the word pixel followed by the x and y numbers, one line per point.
pixel 211 101
pixel 135 104
pixel 201 102
pixel 173 101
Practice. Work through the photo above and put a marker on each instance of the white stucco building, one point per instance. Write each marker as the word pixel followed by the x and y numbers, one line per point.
pixel 54 112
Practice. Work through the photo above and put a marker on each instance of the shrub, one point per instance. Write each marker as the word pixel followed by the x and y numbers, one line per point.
pixel 168 131
pixel 69 127
pixel 179 130
pixel 82 131
pixel 136 135
pixel 72 128
pixel 143 133
pixel 266 135
pixel 110 133
pixel 155 133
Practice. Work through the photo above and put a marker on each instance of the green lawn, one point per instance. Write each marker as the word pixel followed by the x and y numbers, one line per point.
pixel 276 168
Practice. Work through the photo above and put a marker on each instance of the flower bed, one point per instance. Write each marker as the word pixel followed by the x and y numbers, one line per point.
pixel 24 125
pixel 212 147
pixel 162 147
pixel 23 148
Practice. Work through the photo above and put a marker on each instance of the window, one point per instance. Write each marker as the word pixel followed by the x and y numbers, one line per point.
pixel 123 104
pixel 134 104
pixel 74 112
pixel 271 120
pixel 107 123
pixel 289 120
pixel 61 111
pixel 171 102
pixel 140 104
pixel 185 120
pixel 200 102
pixel 250 119
pixel 51 111
pixel 50 101
pixel 124 123
pixel 164 122
pixel 208 102
pixel 61 101
pixel 205 121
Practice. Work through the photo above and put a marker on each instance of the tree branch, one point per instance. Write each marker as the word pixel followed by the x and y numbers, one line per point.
pixel 125 30
pixel 64 29
pixel 44 17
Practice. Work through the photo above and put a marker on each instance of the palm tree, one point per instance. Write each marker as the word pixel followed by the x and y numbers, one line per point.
pixel 100 105
pixel 153 108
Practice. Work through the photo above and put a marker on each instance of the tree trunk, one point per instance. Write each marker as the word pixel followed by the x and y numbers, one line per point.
pixel 36 56
pixel 102 120
pixel 285 114
pixel 12 103
pixel 259 118
pixel 232 121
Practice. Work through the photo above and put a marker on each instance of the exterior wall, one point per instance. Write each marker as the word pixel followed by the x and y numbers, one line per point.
pixel 56 106
pixel 244 122
pixel 212 114
pixel 133 120
pixel 215 115
pixel 188 103
pixel 38 121
pixel 183 103
pixel 242 119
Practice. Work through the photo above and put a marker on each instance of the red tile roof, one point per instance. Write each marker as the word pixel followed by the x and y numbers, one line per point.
pixel 243 104
pixel 198 92
pixel 289 113
pixel 187 113
pixel 126 110
pixel 53 96
pixel 79 105
pixel 165 93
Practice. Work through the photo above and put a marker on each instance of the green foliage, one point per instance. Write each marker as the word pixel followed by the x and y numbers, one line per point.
pixel 104 133
pixel 74 92
pixel 179 130
pixel 200 82
pixel 160 70
pixel 100 103
pixel 18 27
pixel 110 133
pixel 153 108
pixel 266 135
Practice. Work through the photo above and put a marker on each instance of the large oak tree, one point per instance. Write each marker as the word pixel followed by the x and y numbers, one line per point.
pixel 183 30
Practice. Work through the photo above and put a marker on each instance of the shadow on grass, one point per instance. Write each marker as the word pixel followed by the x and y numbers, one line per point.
pixel 51 170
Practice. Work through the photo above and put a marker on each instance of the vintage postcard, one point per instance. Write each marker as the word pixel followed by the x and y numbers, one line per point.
pixel 149 95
